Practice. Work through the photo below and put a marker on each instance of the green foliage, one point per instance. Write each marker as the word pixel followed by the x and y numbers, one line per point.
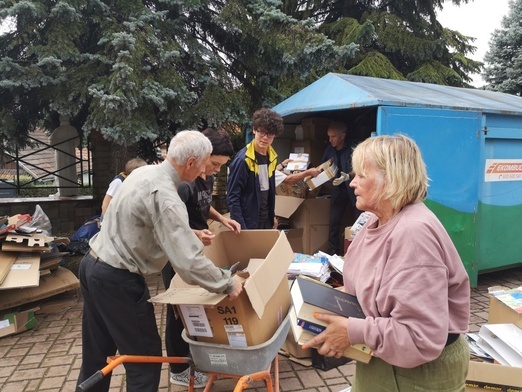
pixel 140 71
pixel 143 70
pixel 377 65
pixel 503 71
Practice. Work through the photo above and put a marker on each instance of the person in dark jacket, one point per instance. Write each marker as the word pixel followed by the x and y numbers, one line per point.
pixel 340 152
pixel 251 183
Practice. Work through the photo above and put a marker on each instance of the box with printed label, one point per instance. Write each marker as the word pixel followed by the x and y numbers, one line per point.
pixel 253 317
pixel 483 376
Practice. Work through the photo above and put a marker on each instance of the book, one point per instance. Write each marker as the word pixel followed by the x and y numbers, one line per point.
pixel 310 296
pixel 311 327
pixel 358 352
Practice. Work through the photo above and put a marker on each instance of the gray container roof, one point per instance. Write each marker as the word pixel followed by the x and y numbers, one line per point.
pixel 338 91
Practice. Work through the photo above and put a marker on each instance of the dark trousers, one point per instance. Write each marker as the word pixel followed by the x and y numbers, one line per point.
pixel 174 343
pixel 342 197
pixel 117 317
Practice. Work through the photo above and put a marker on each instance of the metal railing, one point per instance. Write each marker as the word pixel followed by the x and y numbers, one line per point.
pixel 24 169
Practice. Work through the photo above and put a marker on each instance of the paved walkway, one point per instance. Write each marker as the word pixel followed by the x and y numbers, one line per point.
pixel 48 357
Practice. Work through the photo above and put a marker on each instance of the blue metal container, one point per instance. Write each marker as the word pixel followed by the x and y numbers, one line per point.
pixel 471 141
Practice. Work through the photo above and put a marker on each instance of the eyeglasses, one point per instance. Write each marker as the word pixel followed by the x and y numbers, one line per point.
pixel 265 134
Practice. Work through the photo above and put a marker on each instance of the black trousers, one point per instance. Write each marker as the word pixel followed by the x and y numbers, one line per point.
pixel 342 198
pixel 174 343
pixel 117 317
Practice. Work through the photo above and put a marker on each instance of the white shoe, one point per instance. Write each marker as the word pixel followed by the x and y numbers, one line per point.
pixel 200 379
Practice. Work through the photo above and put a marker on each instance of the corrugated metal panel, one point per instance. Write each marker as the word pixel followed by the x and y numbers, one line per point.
pixel 337 91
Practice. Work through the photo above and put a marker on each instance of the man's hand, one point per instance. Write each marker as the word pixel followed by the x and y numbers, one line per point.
pixel 238 287
pixel 334 340
pixel 205 236
pixel 342 178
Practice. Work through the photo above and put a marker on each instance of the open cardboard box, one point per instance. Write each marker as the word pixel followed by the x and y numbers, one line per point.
pixel 254 316
pixel 483 376
pixel 311 216
pixel 17 322
pixel 505 306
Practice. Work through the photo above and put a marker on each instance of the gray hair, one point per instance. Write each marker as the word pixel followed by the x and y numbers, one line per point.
pixel 186 144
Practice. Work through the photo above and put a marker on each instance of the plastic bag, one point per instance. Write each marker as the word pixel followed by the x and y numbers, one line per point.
pixel 87 230
pixel 40 220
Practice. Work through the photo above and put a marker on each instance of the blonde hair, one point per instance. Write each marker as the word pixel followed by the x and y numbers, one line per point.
pixel 398 159
pixel 134 163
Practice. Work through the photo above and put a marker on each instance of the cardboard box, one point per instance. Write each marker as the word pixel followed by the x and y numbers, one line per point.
pixel 505 306
pixel 329 172
pixel 484 376
pixel 13 323
pixel 315 128
pixel 310 215
pixel 295 238
pixel 313 148
pixel 298 161
pixel 254 316
pixel 291 347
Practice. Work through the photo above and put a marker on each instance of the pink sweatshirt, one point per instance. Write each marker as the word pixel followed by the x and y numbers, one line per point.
pixel 411 284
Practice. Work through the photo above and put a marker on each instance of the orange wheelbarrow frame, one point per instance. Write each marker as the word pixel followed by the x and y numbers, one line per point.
pixel 116 360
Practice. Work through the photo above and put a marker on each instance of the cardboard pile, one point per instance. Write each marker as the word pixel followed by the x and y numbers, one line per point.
pixel 28 272
pixel 503 332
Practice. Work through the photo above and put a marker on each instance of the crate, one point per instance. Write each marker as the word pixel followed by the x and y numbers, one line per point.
pixel 238 361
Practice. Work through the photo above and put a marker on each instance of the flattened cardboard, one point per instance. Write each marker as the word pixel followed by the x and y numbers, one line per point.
pixel 25 272
pixel 7 259
pixel 36 242
pixel 57 282
pixel 484 376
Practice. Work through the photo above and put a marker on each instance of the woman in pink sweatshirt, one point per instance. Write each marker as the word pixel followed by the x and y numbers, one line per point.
pixel 408 277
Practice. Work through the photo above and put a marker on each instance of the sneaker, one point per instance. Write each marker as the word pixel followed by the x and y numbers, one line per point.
pixel 200 379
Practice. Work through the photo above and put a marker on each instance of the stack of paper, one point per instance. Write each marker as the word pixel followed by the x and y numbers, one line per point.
pixel 313 266
pixel 503 342
pixel 335 261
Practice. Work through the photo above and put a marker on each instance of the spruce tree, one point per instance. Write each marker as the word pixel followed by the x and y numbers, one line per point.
pixel 140 70
pixel 503 70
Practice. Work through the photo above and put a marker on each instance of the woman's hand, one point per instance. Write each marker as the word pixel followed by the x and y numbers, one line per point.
pixel 334 340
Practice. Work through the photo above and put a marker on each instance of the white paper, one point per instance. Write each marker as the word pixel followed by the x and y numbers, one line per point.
pixel 4 324
pixel 196 320
pixel 21 266
pixel 503 343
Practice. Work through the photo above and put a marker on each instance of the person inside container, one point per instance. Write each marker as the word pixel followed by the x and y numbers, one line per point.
pixel 147 226
pixel 251 183
pixel 197 196
pixel 408 277
pixel 339 152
